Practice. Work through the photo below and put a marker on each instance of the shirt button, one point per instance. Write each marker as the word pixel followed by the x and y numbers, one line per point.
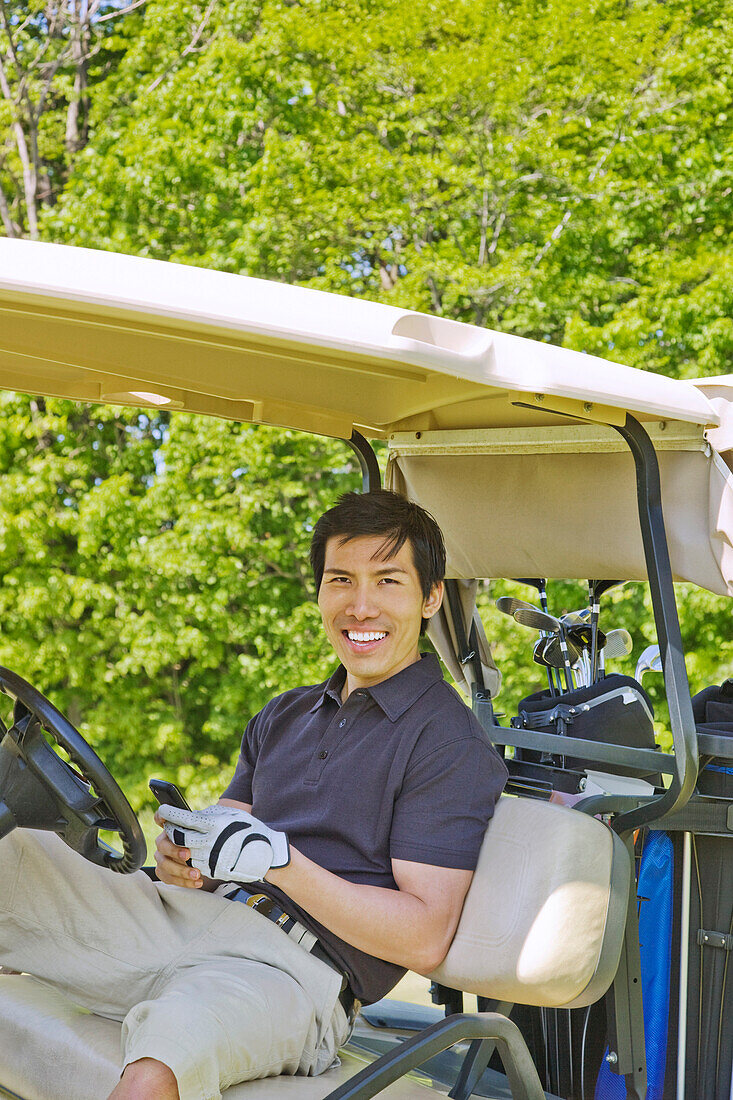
pixel 342 723
pixel 323 754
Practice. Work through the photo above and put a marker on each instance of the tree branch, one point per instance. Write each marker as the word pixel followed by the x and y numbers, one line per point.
pixel 121 11
pixel 189 48
pixel 29 174
pixel 435 295
pixel 484 227
pixel 8 223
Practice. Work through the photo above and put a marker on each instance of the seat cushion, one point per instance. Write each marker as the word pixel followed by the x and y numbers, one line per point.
pixel 50 1049
pixel 544 918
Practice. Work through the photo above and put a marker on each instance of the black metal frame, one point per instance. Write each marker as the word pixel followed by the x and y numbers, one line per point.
pixel 653 760
pixel 659 570
pixel 370 475
pixel 485 1030
pixel 623 1001
pixel 683 765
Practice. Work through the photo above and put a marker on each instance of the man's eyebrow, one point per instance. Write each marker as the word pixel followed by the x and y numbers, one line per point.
pixel 379 572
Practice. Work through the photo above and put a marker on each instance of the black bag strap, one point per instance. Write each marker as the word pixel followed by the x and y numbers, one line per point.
pixel 561 714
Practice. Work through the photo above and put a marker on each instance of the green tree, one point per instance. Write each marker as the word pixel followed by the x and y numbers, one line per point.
pixel 155 577
pixel 52 54
pixel 456 157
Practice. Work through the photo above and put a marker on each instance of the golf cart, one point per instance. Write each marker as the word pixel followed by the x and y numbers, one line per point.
pixel 494 434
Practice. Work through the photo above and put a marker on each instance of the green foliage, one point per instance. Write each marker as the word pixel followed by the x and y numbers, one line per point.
pixel 457 157
pixel 52 57
pixel 155 577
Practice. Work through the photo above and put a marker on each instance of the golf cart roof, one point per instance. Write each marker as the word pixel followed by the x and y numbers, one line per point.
pixel 96 326
pixel 506 440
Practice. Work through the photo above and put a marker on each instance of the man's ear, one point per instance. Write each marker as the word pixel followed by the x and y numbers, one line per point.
pixel 433 601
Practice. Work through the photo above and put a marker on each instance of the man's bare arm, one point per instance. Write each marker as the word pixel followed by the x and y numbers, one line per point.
pixel 412 926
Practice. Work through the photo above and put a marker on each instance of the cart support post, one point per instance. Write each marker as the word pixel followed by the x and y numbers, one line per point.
pixel 370 475
pixel 659 569
pixel 478 1055
pixel 624 1006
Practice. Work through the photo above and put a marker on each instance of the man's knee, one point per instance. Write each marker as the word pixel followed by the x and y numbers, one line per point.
pixel 146 1079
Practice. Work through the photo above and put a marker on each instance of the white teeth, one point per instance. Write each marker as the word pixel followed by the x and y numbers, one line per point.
pixel 366 636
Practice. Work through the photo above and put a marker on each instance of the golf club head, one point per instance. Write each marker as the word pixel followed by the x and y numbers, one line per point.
pixel 575 618
pixel 582 636
pixel 618 643
pixel 552 652
pixel 649 661
pixel 509 604
pixel 538 654
pixel 597 588
pixel 537 620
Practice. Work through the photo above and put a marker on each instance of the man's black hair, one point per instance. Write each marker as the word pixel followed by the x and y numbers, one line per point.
pixel 397 520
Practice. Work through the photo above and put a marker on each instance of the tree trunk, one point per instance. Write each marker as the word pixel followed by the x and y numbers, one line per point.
pixel 77 113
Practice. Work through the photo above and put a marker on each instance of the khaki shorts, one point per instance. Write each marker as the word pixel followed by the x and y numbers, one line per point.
pixel 207 986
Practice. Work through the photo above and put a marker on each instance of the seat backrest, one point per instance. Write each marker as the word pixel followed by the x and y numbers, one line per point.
pixel 544 918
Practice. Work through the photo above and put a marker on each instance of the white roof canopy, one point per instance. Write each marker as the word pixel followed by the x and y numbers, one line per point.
pixel 561 501
pixel 96 326
pixel 485 429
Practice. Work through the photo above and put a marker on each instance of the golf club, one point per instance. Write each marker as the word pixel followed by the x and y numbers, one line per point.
pixel 508 605
pixel 540 620
pixel 649 661
pixel 595 591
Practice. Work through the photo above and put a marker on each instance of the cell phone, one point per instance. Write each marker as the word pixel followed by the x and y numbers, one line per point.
pixel 168 793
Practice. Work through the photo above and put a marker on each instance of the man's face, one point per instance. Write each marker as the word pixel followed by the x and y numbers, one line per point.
pixel 372 608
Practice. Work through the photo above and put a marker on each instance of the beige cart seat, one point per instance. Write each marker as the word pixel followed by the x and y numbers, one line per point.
pixel 543 924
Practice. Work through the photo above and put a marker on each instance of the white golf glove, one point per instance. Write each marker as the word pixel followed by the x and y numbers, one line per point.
pixel 226 843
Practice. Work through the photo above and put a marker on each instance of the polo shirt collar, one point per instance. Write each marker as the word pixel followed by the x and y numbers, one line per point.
pixel 395 695
pixel 331 689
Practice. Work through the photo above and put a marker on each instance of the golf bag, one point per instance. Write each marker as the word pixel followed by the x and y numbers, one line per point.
pixel 616 710
pixel 655 893
pixel 666 876
pixel 708 821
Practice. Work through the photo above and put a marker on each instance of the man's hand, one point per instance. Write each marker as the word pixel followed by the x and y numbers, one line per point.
pixel 224 843
pixel 171 863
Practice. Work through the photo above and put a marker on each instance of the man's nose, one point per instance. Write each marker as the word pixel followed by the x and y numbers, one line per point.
pixel 362 605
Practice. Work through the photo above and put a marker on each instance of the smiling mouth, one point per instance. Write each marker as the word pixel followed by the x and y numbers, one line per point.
pixel 364 637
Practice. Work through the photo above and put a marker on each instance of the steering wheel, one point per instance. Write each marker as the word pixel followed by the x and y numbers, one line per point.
pixel 41 790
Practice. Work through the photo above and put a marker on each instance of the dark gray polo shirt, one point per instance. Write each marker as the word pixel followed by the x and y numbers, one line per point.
pixel 401 770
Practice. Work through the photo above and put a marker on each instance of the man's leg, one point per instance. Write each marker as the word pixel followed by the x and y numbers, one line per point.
pixel 227 1020
pixel 123 946
pixel 56 909
pixel 99 937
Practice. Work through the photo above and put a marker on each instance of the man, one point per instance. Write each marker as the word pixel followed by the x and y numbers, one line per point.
pixel 357 807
